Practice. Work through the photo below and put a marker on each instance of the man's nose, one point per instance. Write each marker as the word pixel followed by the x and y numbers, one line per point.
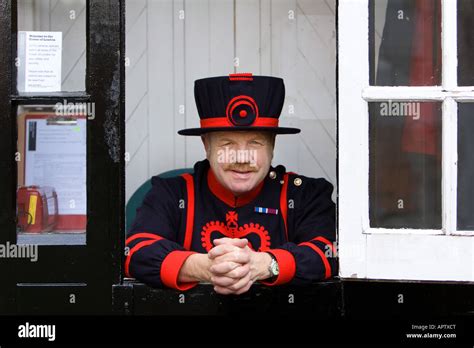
pixel 242 154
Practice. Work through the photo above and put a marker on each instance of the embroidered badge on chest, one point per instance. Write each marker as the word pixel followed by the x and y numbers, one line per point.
pixel 231 229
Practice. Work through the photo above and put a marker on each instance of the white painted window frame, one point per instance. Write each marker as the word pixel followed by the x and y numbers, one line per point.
pixel 402 254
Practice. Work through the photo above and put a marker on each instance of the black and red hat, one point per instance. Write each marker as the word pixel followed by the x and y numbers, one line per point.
pixel 239 102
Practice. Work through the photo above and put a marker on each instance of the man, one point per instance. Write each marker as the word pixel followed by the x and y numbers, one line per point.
pixel 236 220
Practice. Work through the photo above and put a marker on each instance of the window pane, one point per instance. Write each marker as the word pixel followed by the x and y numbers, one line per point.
pixel 51 193
pixel 405 42
pixel 465 42
pixel 51 46
pixel 465 166
pixel 405 165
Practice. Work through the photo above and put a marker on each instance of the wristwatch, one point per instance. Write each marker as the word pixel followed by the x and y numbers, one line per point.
pixel 273 268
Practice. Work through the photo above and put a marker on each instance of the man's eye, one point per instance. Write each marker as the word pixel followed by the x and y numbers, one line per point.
pixel 255 142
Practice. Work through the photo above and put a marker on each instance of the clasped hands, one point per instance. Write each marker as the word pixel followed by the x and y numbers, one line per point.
pixel 231 266
pixel 234 266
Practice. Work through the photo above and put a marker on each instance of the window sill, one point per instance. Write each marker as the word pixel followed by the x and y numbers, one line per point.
pixel 318 300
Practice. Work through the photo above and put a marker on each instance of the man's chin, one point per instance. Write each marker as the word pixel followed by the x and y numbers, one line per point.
pixel 243 177
pixel 241 187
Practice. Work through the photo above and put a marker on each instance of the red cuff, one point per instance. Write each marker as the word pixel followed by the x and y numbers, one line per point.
pixel 170 268
pixel 286 264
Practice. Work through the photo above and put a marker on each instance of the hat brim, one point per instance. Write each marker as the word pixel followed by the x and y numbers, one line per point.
pixel 276 130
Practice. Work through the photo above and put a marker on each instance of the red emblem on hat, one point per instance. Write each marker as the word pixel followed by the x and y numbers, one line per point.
pixel 242 111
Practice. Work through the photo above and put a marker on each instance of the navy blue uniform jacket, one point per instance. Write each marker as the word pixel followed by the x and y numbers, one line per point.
pixel 183 215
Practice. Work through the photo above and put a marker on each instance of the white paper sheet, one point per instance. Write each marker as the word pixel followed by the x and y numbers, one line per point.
pixel 55 155
pixel 39 61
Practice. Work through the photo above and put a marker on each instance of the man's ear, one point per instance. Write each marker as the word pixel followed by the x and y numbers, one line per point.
pixel 273 145
pixel 205 141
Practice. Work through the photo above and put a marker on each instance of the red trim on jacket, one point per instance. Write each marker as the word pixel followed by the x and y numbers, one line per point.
pixel 327 242
pixel 284 202
pixel 227 196
pixel 142 235
pixel 327 266
pixel 170 268
pixel 286 264
pixel 135 249
pixel 190 210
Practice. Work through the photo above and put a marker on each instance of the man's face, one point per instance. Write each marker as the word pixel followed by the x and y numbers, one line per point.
pixel 240 160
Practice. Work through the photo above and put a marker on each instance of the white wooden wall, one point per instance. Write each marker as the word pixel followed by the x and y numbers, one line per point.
pixel 166 54
pixel 292 39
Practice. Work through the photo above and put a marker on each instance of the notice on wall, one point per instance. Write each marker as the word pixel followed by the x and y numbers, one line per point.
pixel 39 61
pixel 55 157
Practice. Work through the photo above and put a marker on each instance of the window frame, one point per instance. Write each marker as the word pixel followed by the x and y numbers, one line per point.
pixel 382 253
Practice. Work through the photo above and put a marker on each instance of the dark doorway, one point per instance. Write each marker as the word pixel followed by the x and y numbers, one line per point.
pixel 75 273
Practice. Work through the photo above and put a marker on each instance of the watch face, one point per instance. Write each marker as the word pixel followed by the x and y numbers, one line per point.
pixel 275 268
